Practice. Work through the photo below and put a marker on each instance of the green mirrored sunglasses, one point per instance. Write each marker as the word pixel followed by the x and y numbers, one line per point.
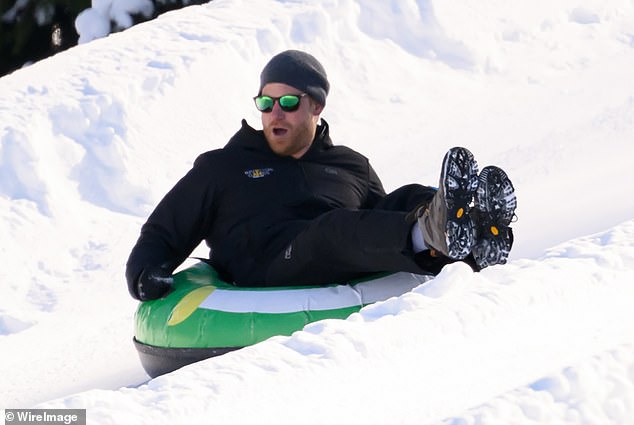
pixel 288 102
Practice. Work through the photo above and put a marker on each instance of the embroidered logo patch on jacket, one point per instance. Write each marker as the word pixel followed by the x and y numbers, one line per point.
pixel 258 173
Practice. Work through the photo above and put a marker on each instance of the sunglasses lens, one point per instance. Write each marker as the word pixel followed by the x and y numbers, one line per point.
pixel 264 103
pixel 289 102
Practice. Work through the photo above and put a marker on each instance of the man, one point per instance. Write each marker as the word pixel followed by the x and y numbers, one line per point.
pixel 284 206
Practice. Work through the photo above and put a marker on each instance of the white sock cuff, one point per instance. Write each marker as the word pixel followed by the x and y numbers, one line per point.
pixel 418 241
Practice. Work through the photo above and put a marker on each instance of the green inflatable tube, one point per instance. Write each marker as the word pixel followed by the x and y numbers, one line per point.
pixel 204 316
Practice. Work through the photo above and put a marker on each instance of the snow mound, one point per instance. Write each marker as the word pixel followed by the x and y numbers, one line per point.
pixel 460 340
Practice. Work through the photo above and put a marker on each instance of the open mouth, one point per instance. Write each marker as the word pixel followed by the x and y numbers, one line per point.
pixel 278 131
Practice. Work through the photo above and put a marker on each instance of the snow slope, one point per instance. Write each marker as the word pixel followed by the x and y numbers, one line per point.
pixel 92 138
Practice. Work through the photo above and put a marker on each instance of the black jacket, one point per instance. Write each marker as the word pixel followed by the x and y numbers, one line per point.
pixel 247 203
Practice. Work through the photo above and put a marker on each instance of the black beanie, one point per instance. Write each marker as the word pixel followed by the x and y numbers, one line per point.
pixel 297 69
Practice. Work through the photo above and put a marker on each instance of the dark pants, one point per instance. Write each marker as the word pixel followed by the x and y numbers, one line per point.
pixel 344 244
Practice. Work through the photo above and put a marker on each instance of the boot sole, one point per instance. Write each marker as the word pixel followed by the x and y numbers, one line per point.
pixel 460 180
pixel 495 202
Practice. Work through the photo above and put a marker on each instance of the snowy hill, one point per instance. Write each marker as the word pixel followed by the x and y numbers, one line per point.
pixel 92 138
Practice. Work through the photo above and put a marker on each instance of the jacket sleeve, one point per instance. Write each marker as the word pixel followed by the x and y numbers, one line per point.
pixel 177 225
pixel 375 189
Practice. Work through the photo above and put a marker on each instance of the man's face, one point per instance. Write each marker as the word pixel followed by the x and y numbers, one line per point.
pixel 290 133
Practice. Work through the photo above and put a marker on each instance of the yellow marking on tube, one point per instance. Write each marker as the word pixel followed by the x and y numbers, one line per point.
pixel 460 213
pixel 495 231
pixel 189 304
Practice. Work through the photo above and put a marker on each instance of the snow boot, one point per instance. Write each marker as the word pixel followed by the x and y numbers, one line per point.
pixel 495 204
pixel 446 222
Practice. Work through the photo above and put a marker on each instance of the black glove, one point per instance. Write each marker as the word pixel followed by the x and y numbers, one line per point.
pixel 153 283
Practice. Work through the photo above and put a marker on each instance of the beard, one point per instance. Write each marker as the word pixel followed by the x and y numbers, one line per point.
pixel 289 139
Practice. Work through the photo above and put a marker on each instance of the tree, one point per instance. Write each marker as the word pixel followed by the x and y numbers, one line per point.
pixel 31 30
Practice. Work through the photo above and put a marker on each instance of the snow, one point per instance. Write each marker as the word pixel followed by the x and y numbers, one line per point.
pixel 92 138
pixel 94 22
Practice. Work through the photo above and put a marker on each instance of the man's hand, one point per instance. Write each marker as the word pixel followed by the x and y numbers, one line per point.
pixel 153 284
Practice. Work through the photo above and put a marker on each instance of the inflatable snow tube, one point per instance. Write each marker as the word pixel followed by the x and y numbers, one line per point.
pixel 204 316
